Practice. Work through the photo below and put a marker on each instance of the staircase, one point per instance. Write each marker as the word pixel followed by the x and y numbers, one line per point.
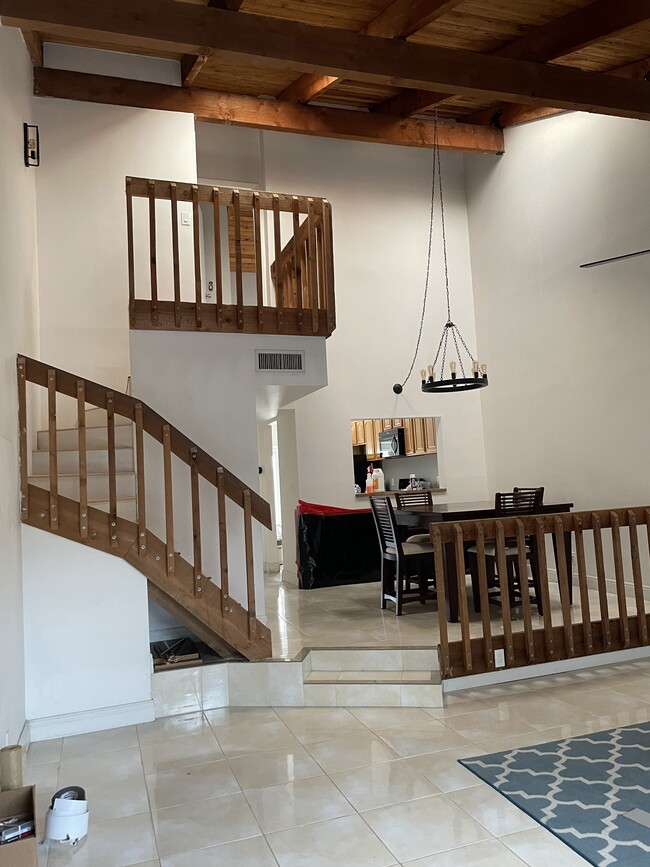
pixel 87 483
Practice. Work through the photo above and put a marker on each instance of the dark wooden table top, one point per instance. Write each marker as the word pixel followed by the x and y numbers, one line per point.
pixel 465 511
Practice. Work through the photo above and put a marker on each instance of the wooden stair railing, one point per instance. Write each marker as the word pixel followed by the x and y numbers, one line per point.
pixel 178 583
pixel 298 298
pixel 611 548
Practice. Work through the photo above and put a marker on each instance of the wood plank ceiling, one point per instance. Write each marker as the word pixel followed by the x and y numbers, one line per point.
pixel 366 69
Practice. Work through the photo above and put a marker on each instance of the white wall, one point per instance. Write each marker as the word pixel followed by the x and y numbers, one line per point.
pixel 86 628
pixel 18 334
pixel 567 349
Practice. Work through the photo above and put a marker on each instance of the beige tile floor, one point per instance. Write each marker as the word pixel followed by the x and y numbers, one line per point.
pixel 327 787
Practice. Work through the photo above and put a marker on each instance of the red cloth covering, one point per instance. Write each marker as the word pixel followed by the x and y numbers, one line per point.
pixel 325 511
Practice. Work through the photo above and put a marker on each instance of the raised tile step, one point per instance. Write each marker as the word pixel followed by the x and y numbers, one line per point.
pixel 96 438
pixel 377 659
pixel 373 677
pixel 96 461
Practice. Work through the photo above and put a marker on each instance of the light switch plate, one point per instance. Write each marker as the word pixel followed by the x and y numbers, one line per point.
pixel 185 218
pixel 499 659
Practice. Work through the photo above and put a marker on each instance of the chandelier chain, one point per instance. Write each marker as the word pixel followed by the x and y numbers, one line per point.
pixel 436 151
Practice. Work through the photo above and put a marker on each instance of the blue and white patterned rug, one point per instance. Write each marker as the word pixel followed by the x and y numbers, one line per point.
pixel 593 792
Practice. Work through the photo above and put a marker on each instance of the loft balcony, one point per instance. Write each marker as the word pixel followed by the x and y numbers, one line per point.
pixel 212 258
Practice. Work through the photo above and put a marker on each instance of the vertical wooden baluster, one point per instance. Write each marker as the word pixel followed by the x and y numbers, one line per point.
pixel 279 276
pixel 250 570
pixel 112 478
pixel 328 247
pixel 196 228
pixel 312 263
pixel 83 460
pixel 176 256
pixel 297 268
pixel 54 474
pixel 22 437
pixel 139 467
pixel 504 590
pixel 620 578
pixel 223 543
pixel 239 285
pixel 483 595
pixel 130 250
pixel 258 260
pixel 196 521
pixel 564 587
pixel 584 587
pixel 320 263
pixel 169 498
pixel 462 598
pixel 523 585
pixel 540 540
pixel 218 268
pixel 642 625
pixel 443 647
pixel 602 585
pixel 153 262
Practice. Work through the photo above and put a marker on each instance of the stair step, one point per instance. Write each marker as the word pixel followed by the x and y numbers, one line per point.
pixel 68 485
pixel 372 677
pixel 346 659
pixel 127 507
pixel 96 417
pixel 96 438
pixel 96 461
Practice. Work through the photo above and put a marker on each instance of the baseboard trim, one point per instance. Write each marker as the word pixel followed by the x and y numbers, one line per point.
pixel 529 671
pixel 95 720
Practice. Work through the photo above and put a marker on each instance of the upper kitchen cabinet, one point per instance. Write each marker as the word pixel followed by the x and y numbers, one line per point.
pixel 419 435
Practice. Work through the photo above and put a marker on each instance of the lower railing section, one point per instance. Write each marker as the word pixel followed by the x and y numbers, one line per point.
pixel 544 588
pixel 190 513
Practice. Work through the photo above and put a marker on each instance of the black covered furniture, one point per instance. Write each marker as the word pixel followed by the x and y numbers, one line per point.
pixel 407 569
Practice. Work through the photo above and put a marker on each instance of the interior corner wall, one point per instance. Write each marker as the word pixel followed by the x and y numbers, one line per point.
pixel 87 151
pixel 567 348
pixel 18 334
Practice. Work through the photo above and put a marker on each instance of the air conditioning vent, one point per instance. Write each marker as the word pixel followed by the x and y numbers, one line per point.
pixel 279 362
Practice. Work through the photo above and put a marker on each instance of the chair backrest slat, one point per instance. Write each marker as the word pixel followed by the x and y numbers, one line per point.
pixel 523 501
pixel 382 510
pixel 413 499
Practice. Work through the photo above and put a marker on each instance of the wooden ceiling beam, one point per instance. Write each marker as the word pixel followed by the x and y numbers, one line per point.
pixel 34 45
pixel 170 26
pixel 557 38
pixel 210 105
pixel 191 65
pixel 400 20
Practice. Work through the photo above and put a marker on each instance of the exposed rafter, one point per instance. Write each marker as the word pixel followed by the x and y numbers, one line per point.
pixel 34 45
pixel 559 37
pixel 191 65
pixel 400 20
pixel 210 105
pixel 171 26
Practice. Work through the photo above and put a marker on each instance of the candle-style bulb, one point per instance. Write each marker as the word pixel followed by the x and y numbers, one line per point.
pixel 475 367
pixel 484 369
pixel 452 367
pixel 423 374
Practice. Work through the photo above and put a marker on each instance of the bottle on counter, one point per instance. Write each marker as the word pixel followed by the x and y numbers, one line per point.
pixel 380 481
pixel 412 481
pixel 370 484
pixel 375 480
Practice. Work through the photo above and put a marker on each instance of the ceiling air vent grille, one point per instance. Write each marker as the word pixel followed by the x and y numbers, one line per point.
pixel 279 362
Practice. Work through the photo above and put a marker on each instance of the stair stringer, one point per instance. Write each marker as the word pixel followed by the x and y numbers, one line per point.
pixel 231 627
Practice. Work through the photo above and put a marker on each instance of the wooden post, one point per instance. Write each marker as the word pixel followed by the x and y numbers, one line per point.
pixel 112 478
pixel 175 255
pixel 564 587
pixel 83 460
pixel 638 579
pixel 238 259
pixel 196 228
pixel 540 540
pixel 312 263
pixel 250 571
pixel 153 262
pixel 279 283
pixel 169 497
pixel 297 268
pixel 462 598
pixel 54 475
pixel 130 251
pixel 196 521
pixel 620 579
pixel 525 596
pixel 584 587
pixel 483 595
pixel 218 272
pixel 223 543
pixel 443 647
pixel 602 585
pixel 258 261
pixel 329 264
pixel 139 466
pixel 22 438
pixel 504 589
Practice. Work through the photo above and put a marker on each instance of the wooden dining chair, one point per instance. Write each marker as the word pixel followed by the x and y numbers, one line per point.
pixel 407 568
pixel 520 501
pixel 414 500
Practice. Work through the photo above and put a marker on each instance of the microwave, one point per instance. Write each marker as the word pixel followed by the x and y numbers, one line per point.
pixel 391 442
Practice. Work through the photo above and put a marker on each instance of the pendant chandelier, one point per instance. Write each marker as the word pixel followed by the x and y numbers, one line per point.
pixel 451 340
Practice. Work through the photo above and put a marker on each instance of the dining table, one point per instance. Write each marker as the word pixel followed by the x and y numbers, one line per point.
pixel 414 518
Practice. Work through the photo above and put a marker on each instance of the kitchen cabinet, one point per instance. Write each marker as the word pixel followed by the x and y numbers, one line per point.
pixel 387 424
pixel 430 445
pixel 377 428
pixel 419 435
pixel 417 426
pixel 358 433
pixel 372 452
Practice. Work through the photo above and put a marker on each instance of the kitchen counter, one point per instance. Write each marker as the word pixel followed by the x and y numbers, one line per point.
pixel 392 493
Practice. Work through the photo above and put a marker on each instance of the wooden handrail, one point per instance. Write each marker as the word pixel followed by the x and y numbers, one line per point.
pixel 153 424
pixel 566 631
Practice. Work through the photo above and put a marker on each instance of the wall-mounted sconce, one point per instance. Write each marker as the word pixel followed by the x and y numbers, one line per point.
pixel 32 145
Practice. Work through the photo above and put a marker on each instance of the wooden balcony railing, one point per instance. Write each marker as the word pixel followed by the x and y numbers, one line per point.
pixel 205 258
pixel 195 505
pixel 607 613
